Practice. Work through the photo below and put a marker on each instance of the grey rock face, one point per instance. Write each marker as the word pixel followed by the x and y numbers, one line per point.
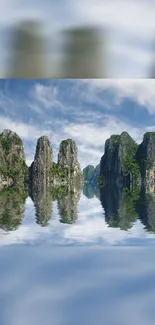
pixel 39 171
pixel 118 164
pixel 146 158
pixel 68 161
pixel 13 169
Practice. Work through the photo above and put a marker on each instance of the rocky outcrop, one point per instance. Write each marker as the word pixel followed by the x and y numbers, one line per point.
pixel 13 169
pixel 44 173
pixel 146 159
pixel 118 164
pixel 39 171
pixel 67 170
pixel 91 173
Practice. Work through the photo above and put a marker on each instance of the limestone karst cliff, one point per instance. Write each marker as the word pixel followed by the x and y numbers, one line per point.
pixel 39 171
pixel 13 169
pixel 124 162
pixel 146 159
pixel 119 164
pixel 45 173
pixel 67 169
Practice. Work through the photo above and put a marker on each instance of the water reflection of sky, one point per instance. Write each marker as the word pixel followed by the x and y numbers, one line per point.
pixel 90 228
pixel 65 274
pixel 76 285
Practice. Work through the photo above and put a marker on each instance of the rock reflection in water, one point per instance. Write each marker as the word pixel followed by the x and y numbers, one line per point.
pixel 120 206
pixel 146 210
pixel 12 208
pixel 68 204
pixel 43 204
pixel 90 190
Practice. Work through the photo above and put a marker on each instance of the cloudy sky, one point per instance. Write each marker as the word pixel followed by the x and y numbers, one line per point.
pixel 129 28
pixel 87 111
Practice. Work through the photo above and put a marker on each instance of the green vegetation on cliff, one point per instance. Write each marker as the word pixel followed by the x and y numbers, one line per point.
pixel 119 164
pixel 129 162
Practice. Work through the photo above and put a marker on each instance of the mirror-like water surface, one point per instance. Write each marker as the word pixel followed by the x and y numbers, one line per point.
pixel 88 216
pixel 58 265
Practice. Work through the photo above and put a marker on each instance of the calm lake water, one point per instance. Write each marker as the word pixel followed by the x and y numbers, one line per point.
pixel 88 217
pixel 77 258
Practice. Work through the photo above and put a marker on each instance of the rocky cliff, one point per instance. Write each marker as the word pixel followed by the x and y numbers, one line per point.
pixel 118 164
pixel 67 170
pixel 44 173
pixel 13 169
pixel 39 171
pixel 146 159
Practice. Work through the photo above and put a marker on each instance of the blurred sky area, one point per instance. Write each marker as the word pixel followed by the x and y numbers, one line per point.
pixel 77 38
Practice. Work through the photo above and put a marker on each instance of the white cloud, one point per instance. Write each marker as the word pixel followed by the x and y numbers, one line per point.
pixel 94 135
pixel 141 90
pixel 25 131
pixel 47 96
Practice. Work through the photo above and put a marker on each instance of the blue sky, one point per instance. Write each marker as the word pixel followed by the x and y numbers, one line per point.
pixel 129 26
pixel 88 111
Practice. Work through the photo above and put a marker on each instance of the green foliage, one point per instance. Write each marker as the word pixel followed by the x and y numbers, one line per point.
pixel 129 162
pixel 6 144
pixel 58 171
pixel 114 141
pixel 11 208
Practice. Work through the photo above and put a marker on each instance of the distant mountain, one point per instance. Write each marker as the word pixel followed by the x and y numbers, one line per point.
pixel 91 173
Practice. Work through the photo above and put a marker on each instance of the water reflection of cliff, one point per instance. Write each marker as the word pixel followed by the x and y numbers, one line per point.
pixel 91 190
pixel 12 208
pixel 120 206
pixel 68 204
pixel 43 204
pixel 123 207
pixel 146 210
